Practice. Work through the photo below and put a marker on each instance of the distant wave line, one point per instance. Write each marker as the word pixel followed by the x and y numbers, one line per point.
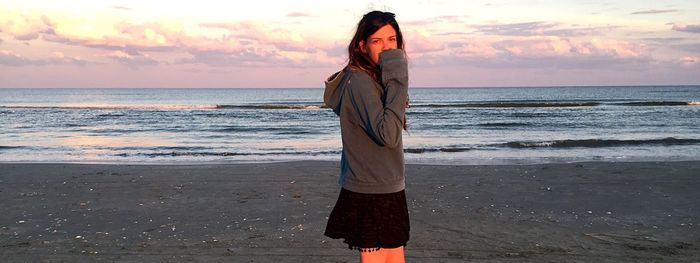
pixel 111 107
pixel 539 104
pixel 273 106
pixel 598 143
pixel 661 103
pixel 224 154
pixel 508 105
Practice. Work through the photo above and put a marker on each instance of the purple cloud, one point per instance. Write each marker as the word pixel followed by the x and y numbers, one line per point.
pixel 686 28
pixel 8 58
pixel 538 28
pixel 132 59
pixel 664 40
pixel 247 57
pixel 694 47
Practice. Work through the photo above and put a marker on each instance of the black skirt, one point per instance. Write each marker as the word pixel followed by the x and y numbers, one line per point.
pixel 369 222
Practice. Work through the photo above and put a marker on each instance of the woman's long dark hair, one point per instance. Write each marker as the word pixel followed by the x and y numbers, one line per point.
pixel 368 25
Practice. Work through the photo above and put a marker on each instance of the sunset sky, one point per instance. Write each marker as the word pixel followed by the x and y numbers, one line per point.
pixel 111 43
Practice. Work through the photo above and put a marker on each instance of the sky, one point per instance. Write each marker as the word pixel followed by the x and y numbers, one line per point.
pixel 271 44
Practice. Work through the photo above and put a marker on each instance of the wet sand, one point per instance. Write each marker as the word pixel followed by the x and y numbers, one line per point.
pixel 276 212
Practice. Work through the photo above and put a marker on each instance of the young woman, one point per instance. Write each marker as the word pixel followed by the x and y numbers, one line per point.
pixel 370 96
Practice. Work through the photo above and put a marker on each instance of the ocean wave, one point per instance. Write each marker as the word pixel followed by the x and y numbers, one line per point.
pixel 224 154
pixel 437 149
pixel 111 107
pixel 273 106
pixel 158 148
pixel 598 143
pixel 551 104
pixel 4 147
pixel 503 124
pixel 660 103
pixel 508 104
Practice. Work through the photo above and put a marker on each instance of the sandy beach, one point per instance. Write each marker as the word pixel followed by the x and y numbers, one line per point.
pixel 276 212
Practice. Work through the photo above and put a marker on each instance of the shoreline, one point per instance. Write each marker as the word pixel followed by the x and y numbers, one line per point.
pixel 560 212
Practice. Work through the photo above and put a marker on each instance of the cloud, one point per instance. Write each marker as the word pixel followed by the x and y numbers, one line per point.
pixel 261 34
pixel 689 61
pixel 476 48
pixel 258 44
pixel 8 58
pixel 421 42
pixel 132 60
pixel 692 47
pixel 654 11
pixel 23 27
pixel 686 28
pixel 664 40
pixel 538 52
pixel 121 8
pixel 515 29
pixel 298 14
pixel 119 36
pixel 246 57
pixel 59 58
pixel 435 20
pixel 242 42
pixel 538 28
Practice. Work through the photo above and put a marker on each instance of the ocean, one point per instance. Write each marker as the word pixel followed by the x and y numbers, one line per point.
pixel 521 125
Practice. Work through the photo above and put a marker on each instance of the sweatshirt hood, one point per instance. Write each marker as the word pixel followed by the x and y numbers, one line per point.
pixel 333 94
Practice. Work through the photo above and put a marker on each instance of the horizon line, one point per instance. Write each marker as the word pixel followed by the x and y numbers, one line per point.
pixel 415 87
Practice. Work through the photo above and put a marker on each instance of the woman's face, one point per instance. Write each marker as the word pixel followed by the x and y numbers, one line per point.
pixel 383 39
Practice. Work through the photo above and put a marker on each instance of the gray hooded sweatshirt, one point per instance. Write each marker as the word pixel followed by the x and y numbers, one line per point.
pixel 371 122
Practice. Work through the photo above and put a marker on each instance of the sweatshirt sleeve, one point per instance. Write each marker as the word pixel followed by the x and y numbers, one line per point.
pixel 382 116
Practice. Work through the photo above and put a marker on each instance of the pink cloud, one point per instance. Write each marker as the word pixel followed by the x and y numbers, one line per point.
pixel 475 47
pixel 689 61
pixel 248 42
pixel 565 47
pixel 261 34
pixel 538 52
pixel 298 14
pixel 421 43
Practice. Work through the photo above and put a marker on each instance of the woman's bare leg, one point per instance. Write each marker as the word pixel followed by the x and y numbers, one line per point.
pixel 395 255
pixel 384 255
pixel 378 256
